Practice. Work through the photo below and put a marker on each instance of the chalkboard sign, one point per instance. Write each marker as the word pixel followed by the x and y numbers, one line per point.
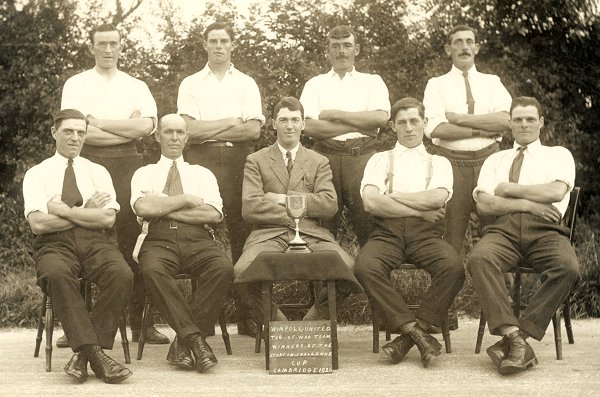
pixel 300 347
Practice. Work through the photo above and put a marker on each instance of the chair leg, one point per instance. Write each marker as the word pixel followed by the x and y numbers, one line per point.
pixel 446 334
pixel 49 330
pixel 258 337
pixel 145 324
pixel 376 318
pixel 124 340
pixel 557 335
pixel 567 316
pixel 480 332
pixel 40 327
pixel 224 333
pixel 388 333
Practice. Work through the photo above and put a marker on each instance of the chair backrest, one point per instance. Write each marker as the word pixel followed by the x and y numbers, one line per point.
pixel 570 218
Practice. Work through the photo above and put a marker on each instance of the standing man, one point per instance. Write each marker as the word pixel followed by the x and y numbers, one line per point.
pixel 272 173
pixel 524 191
pixel 406 190
pixel 344 111
pixel 467 114
pixel 178 200
pixel 69 204
pixel 223 112
pixel 121 110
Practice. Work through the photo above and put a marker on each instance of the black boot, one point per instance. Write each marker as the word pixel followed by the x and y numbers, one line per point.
pixel 397 349
pixel 499 351
pixel 203 354
pixel 105 367
pixel 77 367
pixel 180 356
pixel 428 346
pixel 520 355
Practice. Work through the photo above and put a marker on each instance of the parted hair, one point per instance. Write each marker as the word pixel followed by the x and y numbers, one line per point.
pixel 105 27
pixel 288 102
pixel 341 32
pixel 219 26
pixel 526 101
pixel 407 103
pixel 460 28
pixel 68 114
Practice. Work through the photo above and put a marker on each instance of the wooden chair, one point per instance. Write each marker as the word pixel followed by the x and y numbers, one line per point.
pixel 376 315
pixel 46 322
pixel 146 314
pixel 569 220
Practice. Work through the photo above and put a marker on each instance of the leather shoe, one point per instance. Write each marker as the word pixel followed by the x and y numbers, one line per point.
pixel 180 356
pixel 63 342
pixel 397 349
pixel 247 327
pixel 203 354
pixel 520 355
pixel 77 367
pixel 105 367
pixel 153 337
pixel 499 350
pixel 428 346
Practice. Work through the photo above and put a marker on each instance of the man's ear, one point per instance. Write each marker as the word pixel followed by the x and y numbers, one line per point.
pixel 447 50
pixel 392 126
pixel 53 132
pixel 356 49
pixel 541 121
pixel 157 136
pixel 274 124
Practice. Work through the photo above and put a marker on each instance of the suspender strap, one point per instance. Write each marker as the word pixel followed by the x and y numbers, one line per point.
pixel 389 179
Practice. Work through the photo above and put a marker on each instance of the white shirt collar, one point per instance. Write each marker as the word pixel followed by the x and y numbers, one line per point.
pixel 400 149
pixel 351 73
pixel 168 162
pixel 294 151
pixel 472 71
pixel 205 72
pixel 531 147
pixel 64 160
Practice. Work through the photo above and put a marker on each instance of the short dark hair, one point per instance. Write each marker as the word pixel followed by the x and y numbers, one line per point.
pixel 288 102
pixel 68 114
pixel 341 32
pixel 461 28
pixel 219 26
pixel 105 27
pixel 407 103
pixel 526 101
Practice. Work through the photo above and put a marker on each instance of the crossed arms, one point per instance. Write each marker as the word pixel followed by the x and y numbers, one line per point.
pixel 427 204
pixel 333 122
pixel 186 208
pixel 106 132
pixel 61 217
pixel 232 129
pixel 461 126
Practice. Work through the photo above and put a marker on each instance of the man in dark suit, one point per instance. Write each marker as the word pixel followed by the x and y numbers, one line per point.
pixel 282 169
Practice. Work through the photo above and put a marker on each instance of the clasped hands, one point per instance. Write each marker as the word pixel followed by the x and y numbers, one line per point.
pixel 547 212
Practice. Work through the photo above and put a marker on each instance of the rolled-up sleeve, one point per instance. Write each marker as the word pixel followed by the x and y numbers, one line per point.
pixel 376 172
pixel 186 104
pixel 435 109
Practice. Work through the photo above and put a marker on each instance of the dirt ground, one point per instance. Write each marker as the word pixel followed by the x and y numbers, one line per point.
pixel 361 373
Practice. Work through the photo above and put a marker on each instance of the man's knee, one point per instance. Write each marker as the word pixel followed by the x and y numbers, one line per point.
pixel 367 267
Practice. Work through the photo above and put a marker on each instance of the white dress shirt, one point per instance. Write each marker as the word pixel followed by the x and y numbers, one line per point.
pixel 411 170
pixel 195 179
pixel 204 97
pixel 541 164
pixel 293 151
pixel 356 92
pixel 45 180
pixel 114 99
pixel 447 93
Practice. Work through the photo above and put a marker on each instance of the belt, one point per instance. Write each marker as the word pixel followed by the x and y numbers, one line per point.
pixel 224 144
pixel 465 158
pixel 350 147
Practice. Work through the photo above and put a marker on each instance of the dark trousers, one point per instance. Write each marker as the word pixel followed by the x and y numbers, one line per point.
pixel 227 163
pixel 60 259
pixel 543 246
pixel 347 170
pixel 167 252
pixel 465 170
pixel 409 240
pixel 121 171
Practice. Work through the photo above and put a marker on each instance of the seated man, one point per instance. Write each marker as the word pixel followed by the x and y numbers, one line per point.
pixel 178 200
pixel 69 216
pixel 524 193
pixel 406 189
pixel 286 168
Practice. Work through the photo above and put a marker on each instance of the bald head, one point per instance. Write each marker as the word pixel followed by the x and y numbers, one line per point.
pixel 172 136
pixel 171 120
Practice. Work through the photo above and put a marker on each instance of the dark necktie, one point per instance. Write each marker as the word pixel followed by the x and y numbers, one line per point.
pixel 470 100
pixel 173 185
pixel 515 168
pixel 70 195
pixel 290 163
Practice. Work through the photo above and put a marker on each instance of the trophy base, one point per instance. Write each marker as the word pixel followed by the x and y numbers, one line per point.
pixel 298 248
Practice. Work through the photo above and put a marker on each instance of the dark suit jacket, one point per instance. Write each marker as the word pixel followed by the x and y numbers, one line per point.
pixel 265 172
